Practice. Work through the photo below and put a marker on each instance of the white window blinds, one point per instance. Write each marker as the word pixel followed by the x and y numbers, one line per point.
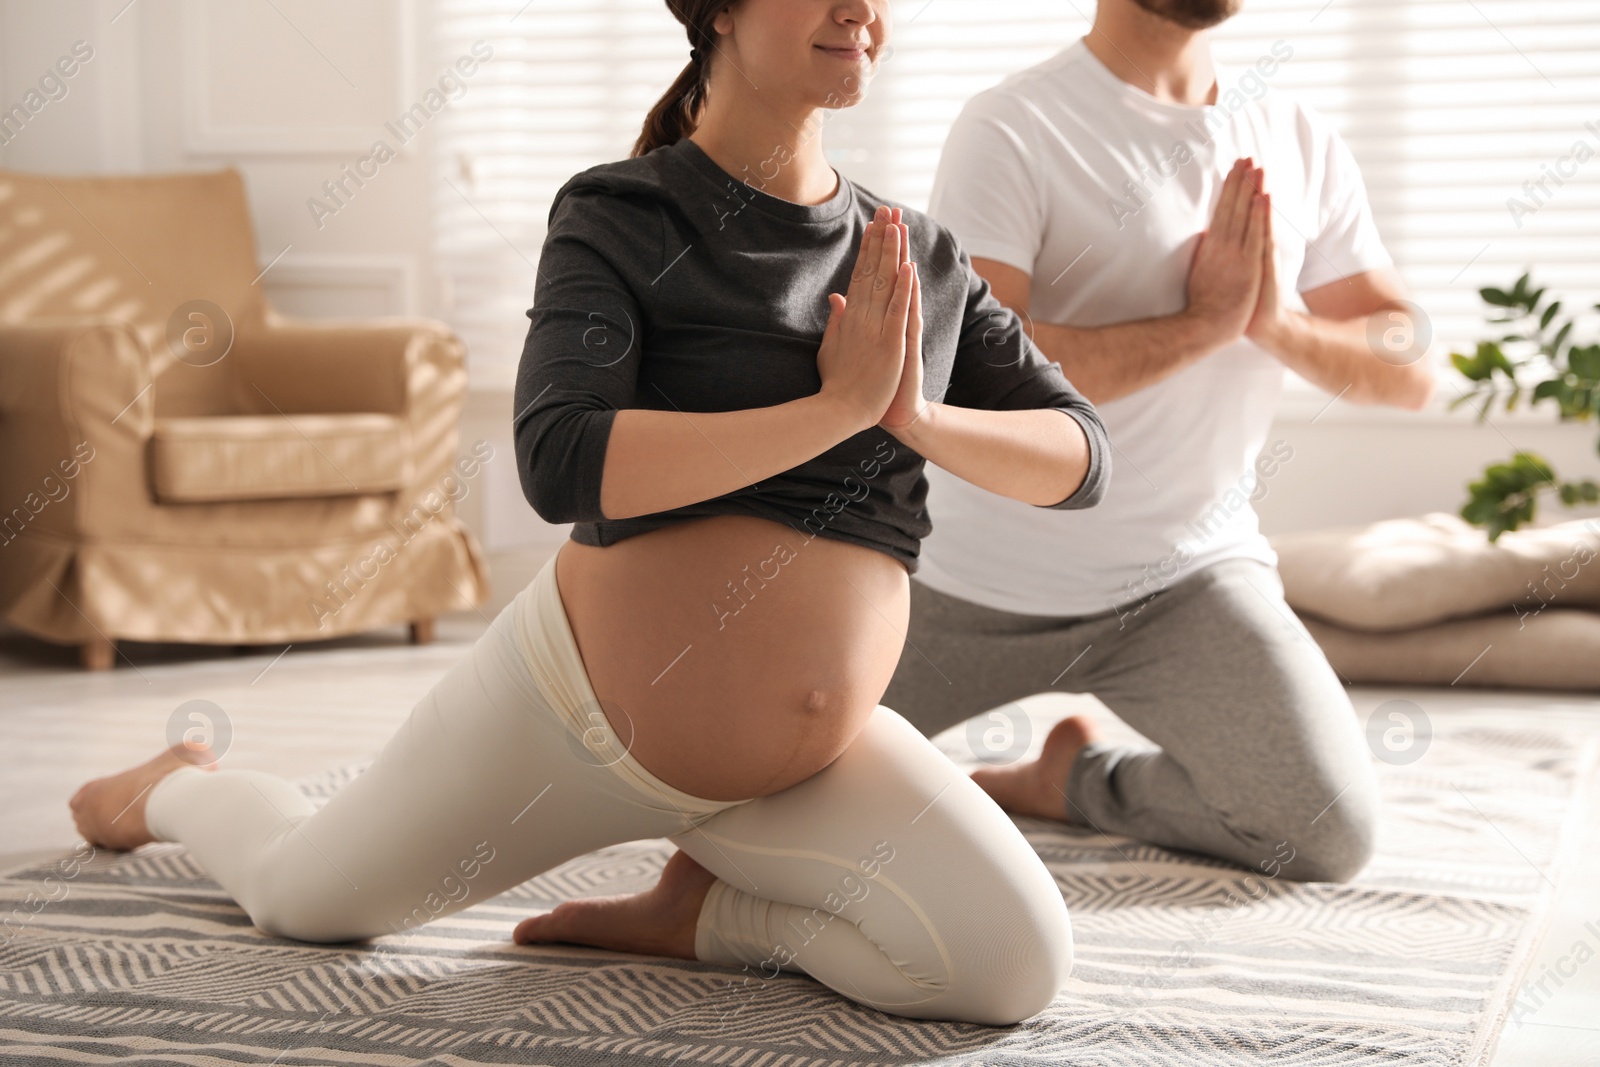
pixel 1476 123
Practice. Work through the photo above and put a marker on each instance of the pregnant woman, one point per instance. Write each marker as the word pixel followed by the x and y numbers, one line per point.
pixel 732 379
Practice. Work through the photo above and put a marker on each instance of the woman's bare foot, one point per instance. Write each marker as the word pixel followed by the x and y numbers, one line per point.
pixel 109 811
pixel 1040 788
pixel 658 922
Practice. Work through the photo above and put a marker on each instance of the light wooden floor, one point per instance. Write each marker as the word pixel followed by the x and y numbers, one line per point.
pixel 315 706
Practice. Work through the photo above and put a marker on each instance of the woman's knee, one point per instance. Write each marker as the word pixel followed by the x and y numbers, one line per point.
pixel 1020 964
pixel 289 900
pixel 300 919
pixel 289 918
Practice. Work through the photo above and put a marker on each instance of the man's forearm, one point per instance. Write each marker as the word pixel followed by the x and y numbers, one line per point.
pixel 1036 455
pixel 1107 362
pixel 1340 357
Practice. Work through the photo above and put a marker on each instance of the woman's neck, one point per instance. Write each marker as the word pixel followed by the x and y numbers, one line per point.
pixel 777 154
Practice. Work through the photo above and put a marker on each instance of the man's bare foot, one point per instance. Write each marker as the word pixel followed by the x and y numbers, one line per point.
pixel 109 812
pixel 1040 788
pixel 658 922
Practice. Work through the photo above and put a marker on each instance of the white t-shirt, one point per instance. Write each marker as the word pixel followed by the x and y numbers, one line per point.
pixel 1100 192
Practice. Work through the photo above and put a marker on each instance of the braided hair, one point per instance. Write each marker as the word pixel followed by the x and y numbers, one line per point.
pixel 678 111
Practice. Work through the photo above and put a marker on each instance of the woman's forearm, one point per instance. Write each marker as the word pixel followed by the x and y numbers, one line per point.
pixel 1036 455
pixel 660 460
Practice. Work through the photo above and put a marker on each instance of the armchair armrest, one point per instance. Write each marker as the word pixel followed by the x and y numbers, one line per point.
pixel 413 368
pixel 76 409
pixel 303 367
pixel 38 357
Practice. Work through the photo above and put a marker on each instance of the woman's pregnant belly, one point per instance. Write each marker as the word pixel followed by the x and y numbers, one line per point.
pixel 732 655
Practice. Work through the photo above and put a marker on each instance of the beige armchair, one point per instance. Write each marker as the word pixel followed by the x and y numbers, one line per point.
pixel 163 481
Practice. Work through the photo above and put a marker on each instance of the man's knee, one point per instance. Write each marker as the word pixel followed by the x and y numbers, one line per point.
pixel 1337 844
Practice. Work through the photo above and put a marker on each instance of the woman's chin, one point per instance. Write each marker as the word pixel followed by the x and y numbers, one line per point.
pixel 841 94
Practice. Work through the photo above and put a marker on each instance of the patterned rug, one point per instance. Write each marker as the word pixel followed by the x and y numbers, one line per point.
pixel 139 958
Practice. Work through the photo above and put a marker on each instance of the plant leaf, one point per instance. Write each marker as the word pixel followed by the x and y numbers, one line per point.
pixel 1561 336
pixel 1584 492
pixel 1549 389
pixel 1584 362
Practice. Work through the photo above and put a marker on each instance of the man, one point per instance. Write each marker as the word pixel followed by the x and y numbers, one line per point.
pixel 1152 220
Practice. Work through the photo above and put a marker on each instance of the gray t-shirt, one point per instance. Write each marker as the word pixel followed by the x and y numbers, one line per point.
pixel 667 283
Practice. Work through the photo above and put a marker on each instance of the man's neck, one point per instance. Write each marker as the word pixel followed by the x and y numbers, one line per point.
pixel 1168 61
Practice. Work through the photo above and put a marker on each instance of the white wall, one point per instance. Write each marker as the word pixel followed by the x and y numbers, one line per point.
pixel 287 98
pixel 1357 465
pixel 291 91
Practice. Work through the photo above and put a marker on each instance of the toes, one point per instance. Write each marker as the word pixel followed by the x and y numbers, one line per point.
pixel 553 925
pixel 535 929
pixel 195 755
pixel 81 797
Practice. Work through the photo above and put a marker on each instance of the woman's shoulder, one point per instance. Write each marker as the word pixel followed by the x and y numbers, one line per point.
pixel 622 190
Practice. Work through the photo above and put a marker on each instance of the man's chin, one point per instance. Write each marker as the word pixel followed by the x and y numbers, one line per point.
pixel 1192 14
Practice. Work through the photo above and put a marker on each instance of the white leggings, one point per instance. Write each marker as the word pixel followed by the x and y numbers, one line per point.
pixel 888 876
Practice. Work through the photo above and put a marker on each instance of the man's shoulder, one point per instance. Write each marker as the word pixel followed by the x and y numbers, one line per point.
pixel 1059 78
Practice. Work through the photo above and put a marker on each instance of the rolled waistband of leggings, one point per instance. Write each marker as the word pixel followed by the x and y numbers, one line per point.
pixel 557 667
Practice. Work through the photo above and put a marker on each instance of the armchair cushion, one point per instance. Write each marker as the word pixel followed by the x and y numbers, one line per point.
pixel 258 457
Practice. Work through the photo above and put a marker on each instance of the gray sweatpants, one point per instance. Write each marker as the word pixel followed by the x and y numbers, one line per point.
pixel 1257 756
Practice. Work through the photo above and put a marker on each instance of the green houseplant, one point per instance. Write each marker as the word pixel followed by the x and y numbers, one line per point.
pixel 1536 357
